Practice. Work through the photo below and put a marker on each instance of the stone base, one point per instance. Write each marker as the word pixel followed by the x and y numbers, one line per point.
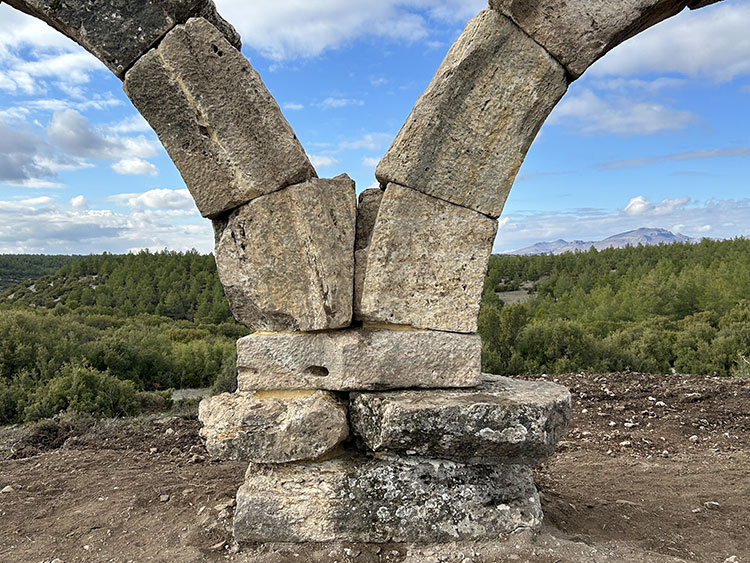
pixel 362 499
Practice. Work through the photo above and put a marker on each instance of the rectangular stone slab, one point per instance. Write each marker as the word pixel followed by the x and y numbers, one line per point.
pixel 358 358
pixel 216 119
pixel 358 499
pixel 268 427
pixel 426 263
pixel 286 260
pixel 503 421
pixel 119 32
pixel 469 132
pixel 578 32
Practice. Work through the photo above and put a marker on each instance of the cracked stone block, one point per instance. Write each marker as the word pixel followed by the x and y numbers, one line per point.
pixel 426 263
pixel 286 260
pixel 358 358
pixel 578 32
pixel 273 427
pixel 216 119
pixel 359 499
pixel 367 213
pixel 469 132
pixel 119 32
pixel 503 421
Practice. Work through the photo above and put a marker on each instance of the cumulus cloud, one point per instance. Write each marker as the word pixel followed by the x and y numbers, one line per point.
pixel 639 205
pixel 588 113
pixel 728 152
pixel 322 160
pixel 370 161
pixel 370 141
pixel 79 203
pixel 135 166
pixel 712 42
pixel 292 106
pixel 332 103
pixel 156 199
pixel 286 29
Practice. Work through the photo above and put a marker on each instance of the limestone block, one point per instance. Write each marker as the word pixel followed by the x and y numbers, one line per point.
pixel 218 122
pixel 278 427
pixel 505 420
pixel 359 499
pixel 426 263
pixel 367 213
pixel 286 260
pixel 578 32
pixel 361 358
pixel 119 32
pixel 469 132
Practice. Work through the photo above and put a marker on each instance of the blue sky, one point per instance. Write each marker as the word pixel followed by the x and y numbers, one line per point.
pixel 656 134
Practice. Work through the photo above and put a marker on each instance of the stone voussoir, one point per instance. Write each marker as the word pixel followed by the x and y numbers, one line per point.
pixel 578 32
pixel 119 32
pixel 469 132
pixel 286 260
pixel 426 263
pixel 358 358
pixel 503 421
pixel 216 119
pixel 273 427
pixel 360 499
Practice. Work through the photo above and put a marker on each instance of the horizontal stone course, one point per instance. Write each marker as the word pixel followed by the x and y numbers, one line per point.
pixel 505 420
pixel 358 358
pixel 276 427
pixel 286 260
pixel 469 132
pixel 360 499
pixel 216 119
pixel 426 263
pixel 119 32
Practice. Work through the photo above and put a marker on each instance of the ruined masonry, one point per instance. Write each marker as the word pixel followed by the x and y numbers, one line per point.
pixel 361 407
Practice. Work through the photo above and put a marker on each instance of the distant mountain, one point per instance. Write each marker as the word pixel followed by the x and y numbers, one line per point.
pixel 642 236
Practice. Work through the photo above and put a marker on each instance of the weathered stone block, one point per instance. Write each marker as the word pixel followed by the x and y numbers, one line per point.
pixel 426 262
pixel 119 32
pixel 218 122
pixel 367 213
pixel 578 32
pixel 468 134
pixel 362 358
pixel 505 421
pixel 356 498
pixel 278 427
pixel 286 260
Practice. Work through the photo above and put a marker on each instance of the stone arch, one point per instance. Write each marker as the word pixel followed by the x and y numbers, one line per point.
pixel 421 252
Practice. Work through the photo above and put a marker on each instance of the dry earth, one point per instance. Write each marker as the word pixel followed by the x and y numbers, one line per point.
pixel 655 468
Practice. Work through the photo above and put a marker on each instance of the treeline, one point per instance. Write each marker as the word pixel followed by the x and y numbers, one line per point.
pixel 678 307
pixel 180 286
pixel 17 268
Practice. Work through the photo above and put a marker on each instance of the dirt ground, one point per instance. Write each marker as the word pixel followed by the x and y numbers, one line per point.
pixel 655 468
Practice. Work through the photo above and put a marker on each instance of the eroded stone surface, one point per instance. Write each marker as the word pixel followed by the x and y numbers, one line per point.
pixel 286 260
pixel 505 420
pixel 578 32
pixel 367 213
pixel 426 262
pixel 469 132
pixel 356 498
pixel 119 32
pixel 218 122
pixel 361 358
pixel 276 427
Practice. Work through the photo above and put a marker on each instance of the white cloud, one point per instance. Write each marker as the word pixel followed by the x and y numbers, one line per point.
pixel 370 161
pixel 322 160
pixel 286 29
pixel 712 42
pixel 370 141
pixel 135 166
pixel 79 203
pixel 133 124
pixel 736 152
pixel 292 106
pixel 639 205
pixel 587 113
pixel 330 102
pixel 156 199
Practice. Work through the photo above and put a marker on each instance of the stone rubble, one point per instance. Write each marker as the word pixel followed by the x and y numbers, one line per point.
pixel 216 119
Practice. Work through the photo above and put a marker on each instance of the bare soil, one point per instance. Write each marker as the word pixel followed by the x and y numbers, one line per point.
pixel 655 468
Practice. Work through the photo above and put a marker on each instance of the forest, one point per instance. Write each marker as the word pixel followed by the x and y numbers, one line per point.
pixel 109 334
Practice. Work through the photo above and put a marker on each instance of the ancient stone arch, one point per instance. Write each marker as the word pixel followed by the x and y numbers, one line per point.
pixel 369 298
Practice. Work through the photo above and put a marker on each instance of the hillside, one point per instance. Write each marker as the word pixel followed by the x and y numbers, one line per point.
pixel 17 268
pixel 642 236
